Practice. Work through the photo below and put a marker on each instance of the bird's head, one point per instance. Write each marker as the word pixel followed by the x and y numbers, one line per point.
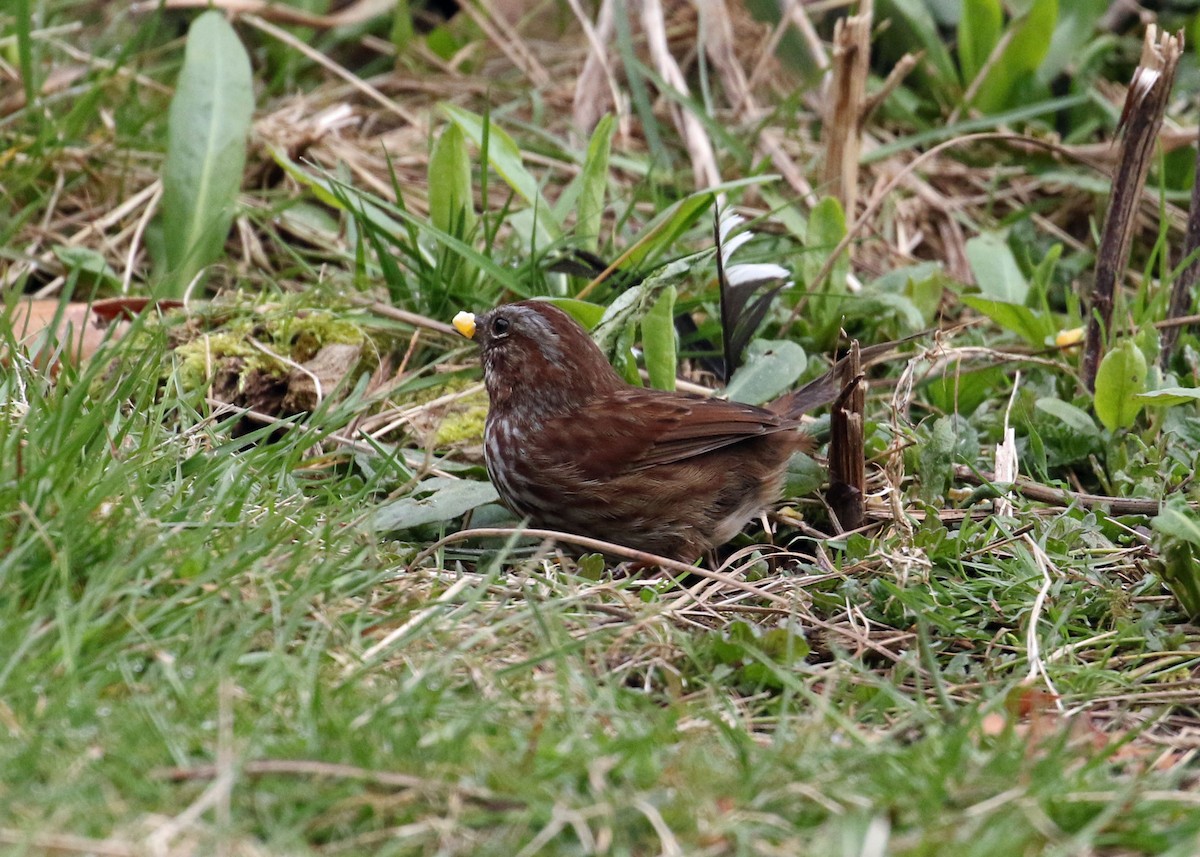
pixel 537 355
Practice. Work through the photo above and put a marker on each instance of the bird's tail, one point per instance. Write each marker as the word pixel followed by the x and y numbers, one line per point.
pixel 826 388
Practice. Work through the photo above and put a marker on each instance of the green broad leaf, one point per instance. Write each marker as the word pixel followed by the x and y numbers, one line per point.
pixel 937 459
pixel 504 156
pixel 826 229
pixel 1028 43
pixel 1032 326
pixel 440 498
pixel 785 645
pixel 451 204
pixel 665 229
pixel 829 306
pixel 1178 521
pixel 769 369
pixel 1170 396
pixel 593 183
pixel 632 305
pixel 978 34
pixel 402 27
pixel 658 340
pixel 786 211
pixel 88 261
pixel 995 268
pixel 901 307
pixel 921 284
pixel 1076 419
pixel 1179 573
pixel 914 26
pixel 926 294
pixel 1177 540
pixel 313 222
pixel 963 389
pixel 207 126
pixel 1087 182
pixel 1076 28
pixel 804 476
pixel 1120 381
pixel 586 313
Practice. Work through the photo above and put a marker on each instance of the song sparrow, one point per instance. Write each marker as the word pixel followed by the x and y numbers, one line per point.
pixel 573 447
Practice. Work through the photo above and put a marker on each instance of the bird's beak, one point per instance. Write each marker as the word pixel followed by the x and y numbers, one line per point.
pixel 464 323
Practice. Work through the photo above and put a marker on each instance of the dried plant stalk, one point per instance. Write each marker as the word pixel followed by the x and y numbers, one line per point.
pixel 843 121
pixel 699 147
pixel 847 456
pixel 1142 119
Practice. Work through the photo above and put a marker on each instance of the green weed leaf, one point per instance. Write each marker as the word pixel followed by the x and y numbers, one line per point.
pixel 594 181
pixel 1170 396
pixel 451 205
pixel 1077 22
pixel 434 500
pixel 504 156
pixel 658 340
pixel 1177 520
pixel 1120 381
pixel 206 147
pixel 995 268
pixel 1027 47
pixel 1177 541
pixel 769 368
pixel 1034 327
pixel 826 229
pixel 916 28
pixel 586 313
pixel 978 34
pixel 632 306
pixel 1076 419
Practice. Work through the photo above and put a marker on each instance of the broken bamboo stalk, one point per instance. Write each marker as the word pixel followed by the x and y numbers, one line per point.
pixel 1141 118
pixel 847 456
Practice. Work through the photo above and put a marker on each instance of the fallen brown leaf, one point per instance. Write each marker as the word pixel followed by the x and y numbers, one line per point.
pixel 80 328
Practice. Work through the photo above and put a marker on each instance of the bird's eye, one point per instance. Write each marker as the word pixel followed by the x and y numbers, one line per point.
pixel 500 326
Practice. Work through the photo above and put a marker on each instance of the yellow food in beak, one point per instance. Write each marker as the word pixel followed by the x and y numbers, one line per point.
pixel 464 323
pixel 1068 338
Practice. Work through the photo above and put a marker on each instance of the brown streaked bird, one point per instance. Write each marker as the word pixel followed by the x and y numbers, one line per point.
pixel 571 446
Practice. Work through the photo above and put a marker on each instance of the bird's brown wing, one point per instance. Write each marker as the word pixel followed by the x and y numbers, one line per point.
pixel 638 429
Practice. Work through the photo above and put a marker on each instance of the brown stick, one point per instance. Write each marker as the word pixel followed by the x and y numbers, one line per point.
pixel 1062 497
pixel 843 122
pixel 1142 118
pixel 1183 288
pixel 847 459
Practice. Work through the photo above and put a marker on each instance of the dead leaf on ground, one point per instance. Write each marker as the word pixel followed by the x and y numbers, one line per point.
pixel 80 328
